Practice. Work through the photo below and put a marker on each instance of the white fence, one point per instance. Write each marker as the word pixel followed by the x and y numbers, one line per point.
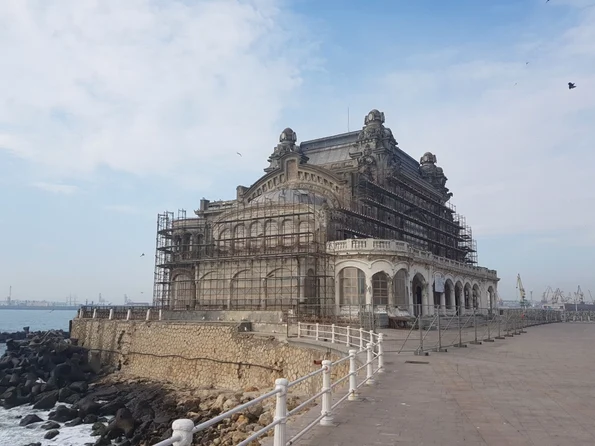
pixel 184 429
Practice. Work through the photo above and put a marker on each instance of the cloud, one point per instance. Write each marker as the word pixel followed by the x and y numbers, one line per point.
pixel 146 87
pixel 55 188
pixel 121 208
pixel 519 158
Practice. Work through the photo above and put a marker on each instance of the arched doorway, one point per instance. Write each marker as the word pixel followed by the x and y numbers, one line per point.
pixel 476 293
pixel 417 286
pixel 449 289
pixel 467 293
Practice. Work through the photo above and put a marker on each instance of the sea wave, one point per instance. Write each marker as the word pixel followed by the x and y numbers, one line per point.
pixel 11 434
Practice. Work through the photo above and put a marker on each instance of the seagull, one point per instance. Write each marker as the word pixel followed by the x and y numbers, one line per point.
pixel 526 63
pixel 143 254
pixel 239 153
pixel 571 85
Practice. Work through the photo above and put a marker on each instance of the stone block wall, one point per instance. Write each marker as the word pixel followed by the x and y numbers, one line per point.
pixel 202 354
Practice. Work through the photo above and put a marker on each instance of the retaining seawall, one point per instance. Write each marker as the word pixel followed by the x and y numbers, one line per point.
pixel 200 354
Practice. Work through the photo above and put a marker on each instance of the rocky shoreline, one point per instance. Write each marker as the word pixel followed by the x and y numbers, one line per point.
pixel 48 371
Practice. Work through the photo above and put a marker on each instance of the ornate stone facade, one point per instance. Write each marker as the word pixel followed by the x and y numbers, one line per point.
pixel 280 244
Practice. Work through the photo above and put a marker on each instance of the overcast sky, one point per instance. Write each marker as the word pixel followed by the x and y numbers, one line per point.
pixel 113 111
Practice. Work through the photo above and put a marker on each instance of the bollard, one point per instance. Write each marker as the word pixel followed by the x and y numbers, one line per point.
pixel 160 314
pixel 317 331
pixel 182 429
pixel 111 314
pixel 299 333
pixel 348 335
pixel 94 313
pixel 353 396
pixel 370 365
pixel 332 333
pixel 148 317
pixel 380 353
pixel 327 416
pixel 129 314
pixel 280 438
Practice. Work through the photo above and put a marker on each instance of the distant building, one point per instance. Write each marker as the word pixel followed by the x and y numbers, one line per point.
pixel 334 224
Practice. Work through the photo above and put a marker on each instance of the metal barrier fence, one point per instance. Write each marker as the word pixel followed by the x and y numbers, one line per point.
pixel 436 329
pixel 578 316
pixel 184 429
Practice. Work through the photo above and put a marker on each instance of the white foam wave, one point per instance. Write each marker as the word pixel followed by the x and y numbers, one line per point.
pixel 11 434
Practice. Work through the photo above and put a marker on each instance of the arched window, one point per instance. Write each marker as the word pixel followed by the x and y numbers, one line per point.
pixel 353 286
pixel 287 231
pixel 239 237
pixel 380 288
pixel 400 287
pixel 271 232
pixel 256 234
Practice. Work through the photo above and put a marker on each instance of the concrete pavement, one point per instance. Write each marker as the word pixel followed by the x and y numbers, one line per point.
pixel 533 389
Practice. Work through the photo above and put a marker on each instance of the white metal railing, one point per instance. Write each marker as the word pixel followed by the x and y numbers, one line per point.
pixel 184 429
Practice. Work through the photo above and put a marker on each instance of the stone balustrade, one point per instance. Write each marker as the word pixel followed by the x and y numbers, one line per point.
pixel 377 246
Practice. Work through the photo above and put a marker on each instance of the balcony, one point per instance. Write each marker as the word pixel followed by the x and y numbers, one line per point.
pixel 395 247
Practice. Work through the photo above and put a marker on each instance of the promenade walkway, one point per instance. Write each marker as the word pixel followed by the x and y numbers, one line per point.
pixel 533 389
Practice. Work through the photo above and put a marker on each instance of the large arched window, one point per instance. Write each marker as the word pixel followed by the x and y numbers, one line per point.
pixel 183 292
pixel 271 232
pixel 287 231
pixel 380 288
pixel 239 237
pixel 353 286
pixel 256 234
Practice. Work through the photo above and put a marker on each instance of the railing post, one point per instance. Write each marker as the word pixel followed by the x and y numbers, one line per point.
pixel 361 338
pixel 160 314
pixel 148 317
pixel 182 429
pixel 280 438
pixel 129 314
pixel 80 313
pixel 380 353
pixel 327 416
pixel 332 333
pixel 353 396
pixel 317 331
pixel 348 342
pixel 111 314
pixel 299 333
pixel 94 313
pixel 371 336
pixel 370 365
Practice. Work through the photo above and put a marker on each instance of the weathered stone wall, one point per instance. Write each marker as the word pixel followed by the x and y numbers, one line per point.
pixel 201 354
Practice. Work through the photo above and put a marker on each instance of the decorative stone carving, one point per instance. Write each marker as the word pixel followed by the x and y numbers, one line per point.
pixel 287 144
pixel 433 174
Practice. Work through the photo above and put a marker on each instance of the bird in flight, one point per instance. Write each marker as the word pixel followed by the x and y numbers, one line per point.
pixel 571 85
pixel 239 153
pixel 143 254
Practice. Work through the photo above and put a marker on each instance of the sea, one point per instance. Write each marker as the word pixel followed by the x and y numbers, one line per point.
pixel 11 434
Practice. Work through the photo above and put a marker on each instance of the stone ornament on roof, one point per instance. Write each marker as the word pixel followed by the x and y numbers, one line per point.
pixel 287 144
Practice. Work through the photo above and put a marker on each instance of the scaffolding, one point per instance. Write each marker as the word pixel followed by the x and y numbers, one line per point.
pixel 393 211
pixel 269 254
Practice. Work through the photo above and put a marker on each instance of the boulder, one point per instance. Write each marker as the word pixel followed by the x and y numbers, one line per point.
pixel 50 425
pixel 29 419
pixel 74 422
pixel 51 434
pixel 46 400
pixel 63 414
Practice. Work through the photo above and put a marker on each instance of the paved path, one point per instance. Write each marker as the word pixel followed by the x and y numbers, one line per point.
pixel 534 389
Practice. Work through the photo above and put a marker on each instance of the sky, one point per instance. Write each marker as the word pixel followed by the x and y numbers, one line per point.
pixel 111 112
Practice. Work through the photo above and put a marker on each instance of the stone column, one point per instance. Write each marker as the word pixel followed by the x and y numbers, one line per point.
pixel 369 290
pixel 425 301
pixel 411 299
pixel 443 303
pixel 452 300
pixel 337 294
pixel 391 292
